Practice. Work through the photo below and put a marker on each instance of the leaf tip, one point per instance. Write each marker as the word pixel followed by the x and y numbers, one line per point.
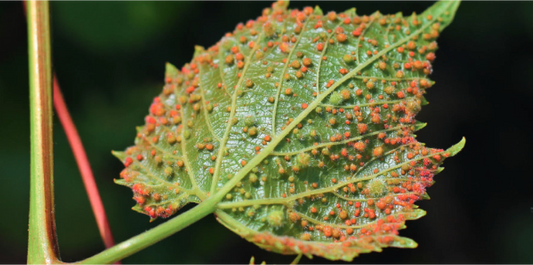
pixel 404 242
pixel 420 125
pixel 170 69
pixel 350 12
pixel 417 214
pixel 454 7
pixel 198 50
pixel 280 5
pixel 453 10
pixel 456 148
pixel 318 11
pixel 120 155
pixel 138 209
pixel 120 182
pixel 445 10
pixel 424 101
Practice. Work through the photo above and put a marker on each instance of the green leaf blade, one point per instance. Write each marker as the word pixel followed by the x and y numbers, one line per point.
pixel 303 126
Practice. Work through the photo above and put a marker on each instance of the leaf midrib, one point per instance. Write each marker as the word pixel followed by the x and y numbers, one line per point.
pixel 275 141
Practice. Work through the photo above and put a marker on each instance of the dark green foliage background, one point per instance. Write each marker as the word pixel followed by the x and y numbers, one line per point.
pixel 110 59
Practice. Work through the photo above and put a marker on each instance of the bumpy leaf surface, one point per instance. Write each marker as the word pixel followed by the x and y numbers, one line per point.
pixel 305 122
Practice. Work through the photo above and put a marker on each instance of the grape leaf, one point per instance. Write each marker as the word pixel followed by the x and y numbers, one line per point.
pixel 303 124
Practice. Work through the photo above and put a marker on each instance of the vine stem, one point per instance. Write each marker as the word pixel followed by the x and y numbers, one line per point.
pixel 42 238
pixel 83 165
pixel 82 161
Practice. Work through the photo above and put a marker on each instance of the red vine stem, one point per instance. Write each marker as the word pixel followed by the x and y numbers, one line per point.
pixel 84 166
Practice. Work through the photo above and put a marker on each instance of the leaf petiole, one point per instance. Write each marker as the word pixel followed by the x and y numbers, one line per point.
pixel 154 235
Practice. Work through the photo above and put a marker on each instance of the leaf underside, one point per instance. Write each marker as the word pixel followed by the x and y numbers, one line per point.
pixel 306 123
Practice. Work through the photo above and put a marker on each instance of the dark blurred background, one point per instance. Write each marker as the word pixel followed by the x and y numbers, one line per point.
pixel 110 58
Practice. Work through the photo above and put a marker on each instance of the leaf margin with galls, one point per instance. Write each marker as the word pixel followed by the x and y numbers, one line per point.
pixel 225 219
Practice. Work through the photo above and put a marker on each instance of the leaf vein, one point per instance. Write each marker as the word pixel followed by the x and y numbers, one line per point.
pixel 220 155
pixel 274 112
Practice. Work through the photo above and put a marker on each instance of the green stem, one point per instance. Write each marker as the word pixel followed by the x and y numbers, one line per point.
pixel 42 239
pixel 162 231
pixel 154 235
